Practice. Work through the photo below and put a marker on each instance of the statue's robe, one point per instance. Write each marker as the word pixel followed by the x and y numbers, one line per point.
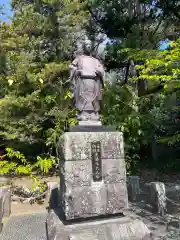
pixel 86 74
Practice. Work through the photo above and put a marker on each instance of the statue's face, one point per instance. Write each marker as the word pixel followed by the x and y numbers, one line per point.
pixel 87 47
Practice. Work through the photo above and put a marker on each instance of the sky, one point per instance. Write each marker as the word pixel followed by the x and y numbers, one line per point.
pixel 163 45
pixel 5 2
pixel 7 8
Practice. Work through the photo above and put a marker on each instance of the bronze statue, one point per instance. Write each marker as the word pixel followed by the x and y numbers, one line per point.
pixel 86 76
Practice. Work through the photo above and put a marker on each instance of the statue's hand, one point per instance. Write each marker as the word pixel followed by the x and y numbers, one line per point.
pixel 98 73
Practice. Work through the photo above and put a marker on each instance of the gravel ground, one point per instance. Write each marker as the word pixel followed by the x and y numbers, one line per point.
pixel 157 224
pixel 27 227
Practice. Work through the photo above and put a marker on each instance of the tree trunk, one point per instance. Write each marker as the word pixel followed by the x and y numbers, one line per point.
pixel 130 9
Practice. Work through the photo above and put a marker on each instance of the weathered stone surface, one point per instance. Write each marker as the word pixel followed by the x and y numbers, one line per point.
pixel 133 187
pixel 1 213
pixel 174 223
pixel 110 229
pixel 5 193
pixel 5 204
pixel 77 173
pixel 116 197
pixel 113 170
pixel 81 196
pixel 77 145
pixel 157 196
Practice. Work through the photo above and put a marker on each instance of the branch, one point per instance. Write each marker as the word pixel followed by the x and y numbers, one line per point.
pixel 155 30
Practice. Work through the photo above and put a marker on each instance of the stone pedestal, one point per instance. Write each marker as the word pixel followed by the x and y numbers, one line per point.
pixel 93 191
pixel 123 228
pixel 92 174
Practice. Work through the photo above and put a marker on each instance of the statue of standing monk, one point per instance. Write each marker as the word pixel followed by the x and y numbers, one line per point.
pixel 86 76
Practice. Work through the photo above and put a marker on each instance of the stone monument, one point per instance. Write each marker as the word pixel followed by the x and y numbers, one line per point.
pixel 93 193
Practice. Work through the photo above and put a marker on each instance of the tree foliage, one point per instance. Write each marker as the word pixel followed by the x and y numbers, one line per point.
pixel 35 105
pixel 37 48
pixel 135 30
pixel 35 51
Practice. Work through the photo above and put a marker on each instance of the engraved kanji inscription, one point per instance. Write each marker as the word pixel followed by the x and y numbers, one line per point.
pixel 96 161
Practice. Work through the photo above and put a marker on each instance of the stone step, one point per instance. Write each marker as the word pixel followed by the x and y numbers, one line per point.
pixel 109 229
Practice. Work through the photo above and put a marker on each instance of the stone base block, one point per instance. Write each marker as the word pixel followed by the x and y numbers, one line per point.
pixel 5 193
pixel 157 198
pixel 122 228
pixel 1 213
pixel 92 174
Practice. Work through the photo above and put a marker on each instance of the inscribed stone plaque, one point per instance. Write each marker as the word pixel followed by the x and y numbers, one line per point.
pixel 96 161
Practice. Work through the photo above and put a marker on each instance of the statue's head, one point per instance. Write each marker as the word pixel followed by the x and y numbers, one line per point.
pixel 87 47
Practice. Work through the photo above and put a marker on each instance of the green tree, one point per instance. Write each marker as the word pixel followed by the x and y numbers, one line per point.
pixel 38 45
pixel 144 21
pixel 136 29
pixel 120 111
pixel 161 68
